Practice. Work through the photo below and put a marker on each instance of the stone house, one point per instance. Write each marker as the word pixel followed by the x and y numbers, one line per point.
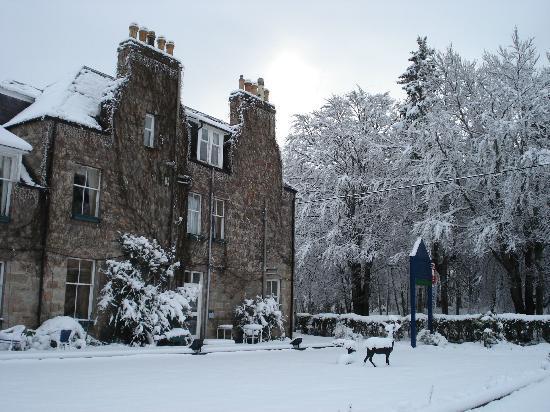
pixel 122 154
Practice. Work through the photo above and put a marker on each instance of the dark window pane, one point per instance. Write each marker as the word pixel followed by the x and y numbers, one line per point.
pixel 82 303
pixel 72 271
pixel 77 200
pixel 192 324
pixel 178 280
pixel 70 296
pixel 86 268
pixel 80 177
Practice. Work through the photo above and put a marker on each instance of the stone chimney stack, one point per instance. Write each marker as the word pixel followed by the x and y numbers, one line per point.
pixel 161 42
pixel 170 47
pixel 151 38
pixel 134 28
pixel 142 33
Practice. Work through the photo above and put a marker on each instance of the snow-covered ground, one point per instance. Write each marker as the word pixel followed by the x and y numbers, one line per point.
pixel 286 380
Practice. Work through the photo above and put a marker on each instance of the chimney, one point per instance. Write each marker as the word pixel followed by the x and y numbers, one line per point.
pixel 170 47
pixel 241 82
pixel 161 42
pixel 142 33
pixel 248 86
pixel 254 89
pixel 151 38
pixel 261 88
pixel 266 95
pixel 133 30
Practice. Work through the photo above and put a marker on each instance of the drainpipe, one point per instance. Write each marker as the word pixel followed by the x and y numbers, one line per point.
pixel 45 219
pixel 292 264
pixel 209 270
pixel 264 257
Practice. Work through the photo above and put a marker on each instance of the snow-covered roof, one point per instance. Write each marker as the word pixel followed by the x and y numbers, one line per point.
pixel 20 90
pixel 12 141
pixel 27 179
pixel 203 117
pixel 75 98
pixel 415 247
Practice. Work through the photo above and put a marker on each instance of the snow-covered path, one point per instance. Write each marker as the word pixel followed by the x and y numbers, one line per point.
pixel 309 380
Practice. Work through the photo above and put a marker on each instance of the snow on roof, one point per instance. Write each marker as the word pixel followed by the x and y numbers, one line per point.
pixel 12 141
pixel 415 247
pixel 21 90
pixel 75 98
pixel 203 117
pixel 27 179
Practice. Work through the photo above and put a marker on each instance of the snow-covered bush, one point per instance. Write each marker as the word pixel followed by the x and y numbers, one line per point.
pixel 47 335
pixel 260 311
pixel 427 338
pixel 342 331
pixel 136 297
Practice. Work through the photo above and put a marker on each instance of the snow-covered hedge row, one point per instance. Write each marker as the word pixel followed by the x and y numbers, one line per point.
pixel 521 329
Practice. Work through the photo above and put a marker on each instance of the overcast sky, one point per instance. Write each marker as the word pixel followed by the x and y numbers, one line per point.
pixel 304 50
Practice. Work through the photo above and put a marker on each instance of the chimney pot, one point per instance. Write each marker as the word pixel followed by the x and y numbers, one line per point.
pixel 254 89
pixel 161 42
pixel 133 30
pixel 241 82
pixel 151 38
pixel 266 95
pixel 260 81
pixel 142 33
pixel 170 47
pixel 248 86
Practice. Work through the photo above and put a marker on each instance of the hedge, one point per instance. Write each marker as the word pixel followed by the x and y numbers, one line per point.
pixel 515 328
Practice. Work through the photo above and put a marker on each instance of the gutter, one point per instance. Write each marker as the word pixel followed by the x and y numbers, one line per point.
pixel 292 268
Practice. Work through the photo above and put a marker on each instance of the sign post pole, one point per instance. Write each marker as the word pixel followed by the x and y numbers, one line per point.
pixel 430 310
pixel 413 306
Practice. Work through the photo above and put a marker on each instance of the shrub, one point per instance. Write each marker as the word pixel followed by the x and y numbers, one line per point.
pixel 260 311
pixel 427 338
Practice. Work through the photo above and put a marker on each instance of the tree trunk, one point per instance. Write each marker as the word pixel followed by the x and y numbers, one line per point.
pixel 360 291
pixel 529 256
pixel 367 287
pixel 458 297
pixel 510 262
pixel 441 261
pixel 539 290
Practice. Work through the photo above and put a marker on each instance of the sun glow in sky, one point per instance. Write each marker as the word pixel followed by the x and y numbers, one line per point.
pixel 306 51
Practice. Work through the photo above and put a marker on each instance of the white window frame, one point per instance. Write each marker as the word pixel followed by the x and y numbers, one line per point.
pixel 198 313
pixel 269 289
pixel 86 187
pixel 197 212
pixel 78 283
pixel 151 141
pixel 209 144
pixel 14 174
pixel 215 214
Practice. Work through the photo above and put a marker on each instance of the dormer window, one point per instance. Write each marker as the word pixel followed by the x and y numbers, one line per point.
pixel 149 130
pixel 210 146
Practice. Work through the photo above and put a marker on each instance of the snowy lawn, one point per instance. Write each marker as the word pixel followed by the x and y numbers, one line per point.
pixel 288 380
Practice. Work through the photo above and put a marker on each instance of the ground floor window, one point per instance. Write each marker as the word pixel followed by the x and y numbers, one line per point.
pixel 79 288
pixel 193 279
pixel 274 289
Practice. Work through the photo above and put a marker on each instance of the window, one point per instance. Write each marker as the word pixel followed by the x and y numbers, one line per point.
pixel 86 193
pixel 194 279
pixel 274 289
pixel 210 147
pixel 7 177
pixel 79 288
pixel 149 130
pixel 218 219
pixel 194 214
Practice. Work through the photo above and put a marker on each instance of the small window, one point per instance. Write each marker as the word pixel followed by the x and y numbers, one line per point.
pixel 210 147
pixel 79 288
pixel 7 177
pixel 274 289
pixel 149 130
pixel 194 214
pixel 86 192
pixel 218 217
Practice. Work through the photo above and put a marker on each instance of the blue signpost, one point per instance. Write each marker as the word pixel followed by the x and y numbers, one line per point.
pixel 421 274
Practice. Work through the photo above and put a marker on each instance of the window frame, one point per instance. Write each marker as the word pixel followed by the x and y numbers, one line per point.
pixel 151 142
pixel 82 216
pixel 215 201
pixel 209 144
pixel 267 289
pixel 77 284
pixel 199 212
pixel 13 177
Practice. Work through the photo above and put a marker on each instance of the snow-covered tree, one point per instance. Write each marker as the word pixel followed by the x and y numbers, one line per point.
pixel 137 299
pixel 260 311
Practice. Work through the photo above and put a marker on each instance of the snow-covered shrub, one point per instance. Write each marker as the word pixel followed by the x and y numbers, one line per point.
pixel 427 338
pixel 489 337
pixel 47 335
pixel 342 331
pixel 136 297
pixel 260 311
